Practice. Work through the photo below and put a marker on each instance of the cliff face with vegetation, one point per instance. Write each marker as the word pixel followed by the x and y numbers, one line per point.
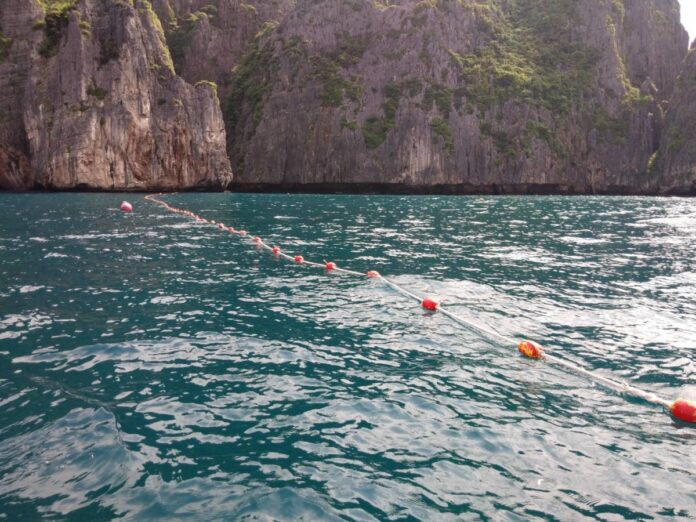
pixel 529 95
pixel 90 99
pixel 208 38
pixel 457 95
pixel 675 163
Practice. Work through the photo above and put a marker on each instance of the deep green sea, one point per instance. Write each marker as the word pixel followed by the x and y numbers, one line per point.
pixel 153 368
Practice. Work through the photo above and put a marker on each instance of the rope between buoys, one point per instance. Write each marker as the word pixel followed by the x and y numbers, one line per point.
pixel 491 334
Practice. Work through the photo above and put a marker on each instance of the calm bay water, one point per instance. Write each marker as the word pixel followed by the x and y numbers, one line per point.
pixel 153 368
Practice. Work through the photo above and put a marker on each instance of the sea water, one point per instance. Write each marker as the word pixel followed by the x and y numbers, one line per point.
pixel 156 368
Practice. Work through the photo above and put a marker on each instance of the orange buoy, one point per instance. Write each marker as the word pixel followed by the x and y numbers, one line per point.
pixel 330 266
pixel 230 230
pixel 299 260
pixel 430 304
pixel 684 409
pixel 257 239
pixel 530 349
pixel 372 274
pixel 126 207
pixel 276 251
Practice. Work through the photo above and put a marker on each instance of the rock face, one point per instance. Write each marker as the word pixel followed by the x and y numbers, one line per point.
pixel 653 42
pixel 17 43
pixel 532 95
pixel 94 102
pixel 569 96
pixel 208 38
pixel 675 163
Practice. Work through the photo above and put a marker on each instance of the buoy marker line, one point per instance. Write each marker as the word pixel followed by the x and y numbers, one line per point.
pixel 682 409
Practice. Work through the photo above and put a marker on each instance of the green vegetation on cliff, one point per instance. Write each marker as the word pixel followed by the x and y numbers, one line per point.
pixel 334 85
pixel 54 24
pixel 145 6
pixel 375 131
pixel 108 50
pixel 330 69
pixel 514 87
pixel 527 56
pixel 5 44
pixel 676 138
pixel 441 128
pixel 180 34
pixel 57 6
pixel 250 82
pixel 96 91
pixel 376 128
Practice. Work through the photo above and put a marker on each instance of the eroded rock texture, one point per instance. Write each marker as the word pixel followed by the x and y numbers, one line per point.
pixel 674 165
pixel 496 96
pixel 208 38
pixel 520 96
pixel 94 102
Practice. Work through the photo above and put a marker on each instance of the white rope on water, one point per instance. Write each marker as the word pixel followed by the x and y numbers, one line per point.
pixel 616 385
pixel 484 330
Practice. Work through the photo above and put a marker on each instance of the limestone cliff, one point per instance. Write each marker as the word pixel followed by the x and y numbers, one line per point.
pixel 92 101
pixel 402 95
pixel 208 38
pixel 674 166
pixel 498 95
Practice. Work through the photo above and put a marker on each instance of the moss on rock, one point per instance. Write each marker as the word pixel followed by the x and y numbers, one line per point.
pixel 54 23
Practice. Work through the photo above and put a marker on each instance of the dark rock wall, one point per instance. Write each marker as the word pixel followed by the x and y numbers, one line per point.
pixel 674 165
pixel 423 93
pixel 488 95
pixel 95 103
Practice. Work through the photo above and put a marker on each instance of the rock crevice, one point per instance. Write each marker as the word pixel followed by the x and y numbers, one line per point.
pixel 568 94
pixel 571 96
pixel 96 103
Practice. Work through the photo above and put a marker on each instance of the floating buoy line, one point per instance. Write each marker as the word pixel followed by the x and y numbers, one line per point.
pixel 682 409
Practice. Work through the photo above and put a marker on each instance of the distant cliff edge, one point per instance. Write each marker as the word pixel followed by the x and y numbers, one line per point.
pixel 454 96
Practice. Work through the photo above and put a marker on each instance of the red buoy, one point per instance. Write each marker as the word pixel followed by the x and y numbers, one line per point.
pixel 684 410
pixel 530 349
pixel 276 251
pixel 299 260
pixel 221 226
pixel 126 207
pixel 373 274
pixel 330 266
pixel 230 230
pixel 257 239
pixel 430 304
pixel 242 232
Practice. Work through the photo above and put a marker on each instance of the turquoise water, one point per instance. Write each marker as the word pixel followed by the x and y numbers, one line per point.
pixel 153 368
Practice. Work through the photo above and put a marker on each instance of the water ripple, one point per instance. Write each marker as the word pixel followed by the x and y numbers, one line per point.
pixel 153 368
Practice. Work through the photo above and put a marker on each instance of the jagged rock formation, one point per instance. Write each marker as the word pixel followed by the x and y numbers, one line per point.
pixel 208 38
pixel 18 42
pixel 402 95
pixel 675 164
pixel 93 102
pixel 653 42
pixel 530 95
